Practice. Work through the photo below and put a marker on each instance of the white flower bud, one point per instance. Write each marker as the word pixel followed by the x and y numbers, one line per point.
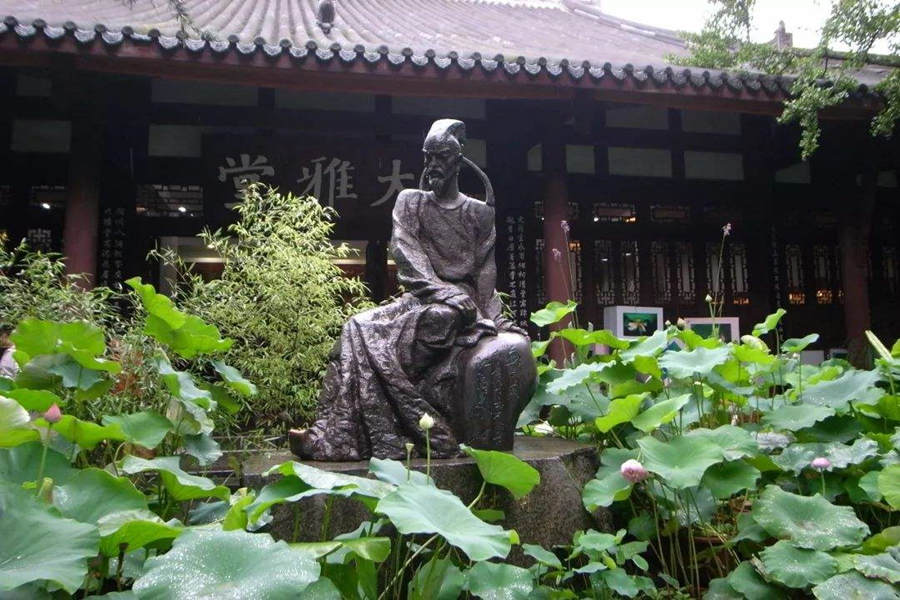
pixel 426 422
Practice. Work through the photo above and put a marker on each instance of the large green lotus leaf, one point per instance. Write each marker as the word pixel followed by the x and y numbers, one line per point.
pixel 336 483
pixel 720 589
pixel 145 428
pixel 438 579
pixel 749 354
pixel 728 478
pixel 34 400
pixel 797 567
pixel 770 323
pixel 839 428
pixel 809 522
pixel 40 545
pixel 608 485
pixel 497 581
pixel 182 385
pixel 696 362
pixel 234 379
pixel 747 582
pixel 287 489
pixel 15 424
pixel 734 442
pixel 94 493
pixel 889 484
pixel 553 313
pixel 795 417
pixel 584 337
pixel 542 555
pixel 180 484
pixel 395 472
pixel 682 461
pixel 35 337
pixel 853 586
pixel 227 565
pixel 650 346
pixel 21 464
pixel 798 457
pixel 135 529
pixel 792 345
pixel 202 447
pixel 660 413
pixel 505 470
pixel 86 434
pixel 620 410
pixel 158 305
pixel 885 566
pixel 881 541
pixel 426 509
pixel 838 393
pixel 576 376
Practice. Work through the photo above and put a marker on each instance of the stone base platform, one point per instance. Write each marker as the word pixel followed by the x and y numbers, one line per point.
pixel 548 516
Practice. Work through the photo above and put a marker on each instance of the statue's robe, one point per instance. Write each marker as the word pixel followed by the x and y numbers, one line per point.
pixel 398 361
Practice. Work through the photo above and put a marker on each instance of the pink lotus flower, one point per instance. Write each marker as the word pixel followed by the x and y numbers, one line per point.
pixel 727 229
pixel 53 414
pixel 633 471
pixel 820 463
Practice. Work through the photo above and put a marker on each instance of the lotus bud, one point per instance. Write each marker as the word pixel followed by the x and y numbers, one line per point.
pixel 633 471
pixel 754 342
pixel 726 230
pixel 820 463
pixel 426 422
pixel 708 299
pixel 53 414
pixel 681 323
pixel 668 323
pixel 409 447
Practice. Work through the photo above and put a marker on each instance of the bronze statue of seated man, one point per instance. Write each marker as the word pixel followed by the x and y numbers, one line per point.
pixel 443 348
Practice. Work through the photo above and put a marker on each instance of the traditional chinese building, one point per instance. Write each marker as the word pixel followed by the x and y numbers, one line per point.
pixel 127 125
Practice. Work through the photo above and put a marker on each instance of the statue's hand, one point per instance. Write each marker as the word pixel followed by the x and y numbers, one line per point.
pixel 466 306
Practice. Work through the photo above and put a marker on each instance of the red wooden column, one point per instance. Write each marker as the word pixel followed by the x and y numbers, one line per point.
pixel 81 227
pixel 853 237
pixel 556 205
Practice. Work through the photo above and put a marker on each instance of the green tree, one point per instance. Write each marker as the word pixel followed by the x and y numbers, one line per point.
pixel 281 298
pixel 822 77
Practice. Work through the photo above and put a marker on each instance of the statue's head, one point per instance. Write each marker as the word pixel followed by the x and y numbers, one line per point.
pixel 443 153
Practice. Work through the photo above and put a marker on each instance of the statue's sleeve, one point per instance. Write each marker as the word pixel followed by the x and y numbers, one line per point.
pixel 486 279
pixel 414 270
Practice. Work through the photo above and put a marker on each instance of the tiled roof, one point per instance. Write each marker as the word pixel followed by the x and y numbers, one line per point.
pixel 565 38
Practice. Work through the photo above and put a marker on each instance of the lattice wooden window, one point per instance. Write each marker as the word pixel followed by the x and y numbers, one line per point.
pixel 604 279
pixel 793 261
pixel 40 239
pixel 573 211
pixel 159 200
pixel 684 271
pixel 824 273
pixel 630 273
pixel 740 280
pixel 670 213
pixel 662 272
pixel 48 197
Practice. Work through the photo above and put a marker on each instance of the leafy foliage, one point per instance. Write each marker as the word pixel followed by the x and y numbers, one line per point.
pixel 281 298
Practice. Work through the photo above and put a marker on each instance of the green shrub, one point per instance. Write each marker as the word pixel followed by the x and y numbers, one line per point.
pixel 281 298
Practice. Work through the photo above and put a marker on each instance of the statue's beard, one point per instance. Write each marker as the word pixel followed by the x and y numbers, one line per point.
pixel 436 181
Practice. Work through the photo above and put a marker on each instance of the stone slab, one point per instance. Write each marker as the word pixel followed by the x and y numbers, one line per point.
pixel 548 516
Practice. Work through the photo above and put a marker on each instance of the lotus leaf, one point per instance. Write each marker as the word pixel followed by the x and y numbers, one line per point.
pixel 797 567
pixel 620 410
pixel 234 379
pixel 650 346
pixel 853 586
pixel 34 400
pixel 180 484
pixel 20 464
pixel 414 508
pixel 794 417
pixel 809 522
pixel 698 362
pixel 660 413
pixel 94 493
pixel 889 484
pixel 726 479
pixel 770 323
pixel 505 470
pixel 40 545
pixel 571 377
pixel 747 582
pixel 395 472
pixel 439 579
pixel 838 393
pixel 798 457
pixel 553 313
pixel 608 485
pixel 135 529
pixel 145 429
pixel 735 442
pixel 885 566
pixel 496 581
pixel 682 461
pixel 235 564
pixel 542 555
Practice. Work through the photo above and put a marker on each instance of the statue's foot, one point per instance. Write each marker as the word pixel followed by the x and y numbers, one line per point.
pixel 308 445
